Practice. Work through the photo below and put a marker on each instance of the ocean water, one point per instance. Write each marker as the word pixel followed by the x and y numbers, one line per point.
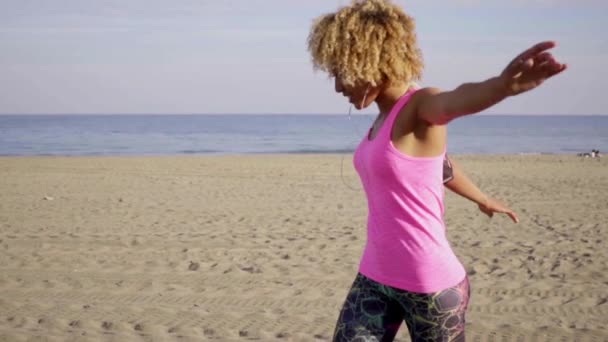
pixel 72 135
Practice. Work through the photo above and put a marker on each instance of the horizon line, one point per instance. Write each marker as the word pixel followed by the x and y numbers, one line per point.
pixel 318 114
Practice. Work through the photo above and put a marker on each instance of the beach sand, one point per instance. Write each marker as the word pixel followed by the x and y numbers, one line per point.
pixel 266 247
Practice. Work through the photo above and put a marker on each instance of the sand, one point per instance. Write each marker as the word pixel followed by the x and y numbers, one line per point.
pixel 265 248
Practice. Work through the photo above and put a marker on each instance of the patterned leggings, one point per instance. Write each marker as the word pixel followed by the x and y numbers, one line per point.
pixel 374 312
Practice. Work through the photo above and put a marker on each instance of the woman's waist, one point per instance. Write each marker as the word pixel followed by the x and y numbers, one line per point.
pixel 406 248
pixel 425 273
pixel 408 241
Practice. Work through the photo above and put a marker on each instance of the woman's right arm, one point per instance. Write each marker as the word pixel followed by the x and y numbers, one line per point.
pixel 459 183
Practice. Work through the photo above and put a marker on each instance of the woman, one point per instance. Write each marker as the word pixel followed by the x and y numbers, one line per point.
pixel 408 271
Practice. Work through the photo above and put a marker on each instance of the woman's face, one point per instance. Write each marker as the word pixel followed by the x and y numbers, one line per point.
pixel 361 95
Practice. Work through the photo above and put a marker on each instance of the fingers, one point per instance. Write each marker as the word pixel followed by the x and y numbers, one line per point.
pixel 510 213
pixel 529 58
pixel 513 216
pixel 556 69
pixel 497 206
pixel 519 66
pixel 543 58
pixel 546 60
pixel 546 66
pixel 535 50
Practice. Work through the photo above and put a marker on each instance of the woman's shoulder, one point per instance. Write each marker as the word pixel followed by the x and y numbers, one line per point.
pixel 408 122
pixel 418 97
pixel 422 93
pixel 433 136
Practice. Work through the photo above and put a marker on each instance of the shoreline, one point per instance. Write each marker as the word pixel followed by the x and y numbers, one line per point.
pixel 271 154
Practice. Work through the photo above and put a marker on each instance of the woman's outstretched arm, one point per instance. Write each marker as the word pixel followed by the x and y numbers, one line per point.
pixel 458 182
pixel 526 72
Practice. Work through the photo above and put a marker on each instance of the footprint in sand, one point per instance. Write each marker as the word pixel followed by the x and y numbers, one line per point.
pixel 250 269
pixel 208 332
pixel 282 335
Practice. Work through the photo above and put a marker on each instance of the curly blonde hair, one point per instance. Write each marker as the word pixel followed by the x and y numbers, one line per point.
pixel 370 41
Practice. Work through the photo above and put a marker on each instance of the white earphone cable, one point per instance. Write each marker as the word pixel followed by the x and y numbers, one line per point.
pixel 358 134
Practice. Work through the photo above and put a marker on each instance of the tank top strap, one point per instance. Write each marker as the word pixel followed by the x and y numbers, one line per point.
pixel 387 126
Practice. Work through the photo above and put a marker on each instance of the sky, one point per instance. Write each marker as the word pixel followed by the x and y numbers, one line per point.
pixel 250 56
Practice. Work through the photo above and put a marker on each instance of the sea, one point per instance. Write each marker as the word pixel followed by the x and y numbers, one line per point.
pixel 228 134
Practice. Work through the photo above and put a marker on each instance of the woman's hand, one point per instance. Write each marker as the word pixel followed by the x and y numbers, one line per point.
pixel 530 69
pixel 492 206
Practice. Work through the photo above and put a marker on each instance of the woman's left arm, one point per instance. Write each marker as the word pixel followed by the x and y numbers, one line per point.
pixel 525 72
pixel 459 183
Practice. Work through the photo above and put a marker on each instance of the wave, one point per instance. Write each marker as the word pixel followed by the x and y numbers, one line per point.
pixel 200 151
pixel 313 151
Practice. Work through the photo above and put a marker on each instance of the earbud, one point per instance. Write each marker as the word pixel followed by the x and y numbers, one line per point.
pixel 365 96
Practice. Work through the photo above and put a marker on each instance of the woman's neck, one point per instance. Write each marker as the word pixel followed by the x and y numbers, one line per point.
pixel 389 96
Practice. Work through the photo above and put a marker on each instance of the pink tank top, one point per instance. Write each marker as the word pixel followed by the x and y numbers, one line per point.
pixel 407 247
